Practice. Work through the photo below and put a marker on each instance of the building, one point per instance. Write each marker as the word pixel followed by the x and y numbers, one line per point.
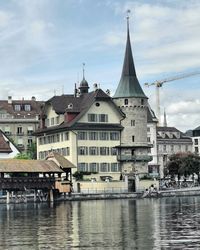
pixel 98 133
pixel 196 140
pixel 19 119
pixel 7 148
pixel 152 122
pixel 170 141
pixel 130 98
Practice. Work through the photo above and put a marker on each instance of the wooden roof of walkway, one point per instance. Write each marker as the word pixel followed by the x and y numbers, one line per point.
pixel 28 166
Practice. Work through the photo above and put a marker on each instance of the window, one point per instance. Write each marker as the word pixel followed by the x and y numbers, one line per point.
pixel 104 167
pixel 66 136
pixel 114 136
pixel 94 167
pixel 93 136
pixel 148 129
pixel 52 121
pixel 114 167
pixel 172 148
pixel 104 151
pixel 195 141
pixel 82 166
pixel 57 119
pixel 125 101
pixel 196 149
pixel 142 101
pixel 7 130
pixel 133 138
pixel 27 107
pixel 30 130
pixel 164 147
pixel 17 107
pixel 19 131
pixel 82 150
pixel 65 151
pixel 113 151
pixel 92 117
pixel 57 137
pixel 186 147
pixel 133 152
pixel 40 141
pixel 20 142
pixel 30 142
pixel 103 136
pixel 93 151
pixel 82 135
pixel 103 118
pixel 47 122
pixel 132 123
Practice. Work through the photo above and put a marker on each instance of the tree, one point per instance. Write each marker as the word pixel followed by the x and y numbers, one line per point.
pixel 183 164
pixel 32 151
pixel 22 156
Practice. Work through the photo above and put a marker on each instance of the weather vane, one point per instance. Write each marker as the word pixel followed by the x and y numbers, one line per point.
pixel 128 14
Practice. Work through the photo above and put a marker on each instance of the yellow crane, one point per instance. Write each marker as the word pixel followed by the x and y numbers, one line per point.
pixel 159 83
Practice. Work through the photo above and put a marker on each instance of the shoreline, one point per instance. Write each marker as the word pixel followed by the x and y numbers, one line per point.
pixel 195 191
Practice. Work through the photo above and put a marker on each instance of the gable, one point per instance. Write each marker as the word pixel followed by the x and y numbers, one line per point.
pixel 102 108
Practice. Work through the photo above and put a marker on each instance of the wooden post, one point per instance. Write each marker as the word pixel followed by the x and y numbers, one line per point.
pixel 51 195
pixel 8 197
pixel 35 196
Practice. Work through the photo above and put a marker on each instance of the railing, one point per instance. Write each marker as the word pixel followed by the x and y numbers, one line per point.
pixel 134 158
pixel 22 183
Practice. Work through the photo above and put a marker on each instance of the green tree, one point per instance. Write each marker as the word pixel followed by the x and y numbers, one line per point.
pixel 32 151
pixel 183 164
pixel 22 156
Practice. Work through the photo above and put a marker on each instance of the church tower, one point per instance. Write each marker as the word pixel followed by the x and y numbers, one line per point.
pixel 130 98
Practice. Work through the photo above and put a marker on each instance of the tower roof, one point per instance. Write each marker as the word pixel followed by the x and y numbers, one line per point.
pixel 129 85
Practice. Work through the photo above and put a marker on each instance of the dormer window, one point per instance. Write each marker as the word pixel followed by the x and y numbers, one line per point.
pixel 17 107
pixel 70 106
pixel 27 107
pixel 125 101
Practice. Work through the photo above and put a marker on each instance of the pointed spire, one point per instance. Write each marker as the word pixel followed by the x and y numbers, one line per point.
pixel 129 85
pixel 165 119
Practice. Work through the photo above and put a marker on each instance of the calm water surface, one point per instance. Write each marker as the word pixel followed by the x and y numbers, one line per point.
pixel 168 223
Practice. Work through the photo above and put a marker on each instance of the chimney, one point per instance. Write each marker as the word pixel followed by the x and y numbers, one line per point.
pixel 33 98
pixel 9 99
pixel 95 85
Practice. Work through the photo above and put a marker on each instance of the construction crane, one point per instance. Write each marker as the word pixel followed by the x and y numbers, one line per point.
pixel 159 83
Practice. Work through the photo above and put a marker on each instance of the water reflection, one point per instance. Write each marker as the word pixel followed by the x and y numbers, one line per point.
pixel 170 223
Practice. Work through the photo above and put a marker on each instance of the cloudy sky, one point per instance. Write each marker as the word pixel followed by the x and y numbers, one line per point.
pixel 43 44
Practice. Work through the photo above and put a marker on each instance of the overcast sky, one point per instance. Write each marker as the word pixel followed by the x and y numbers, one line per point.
pixel 43 44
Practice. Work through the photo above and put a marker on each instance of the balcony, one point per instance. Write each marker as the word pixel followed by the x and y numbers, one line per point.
pixel 20 133
pixel 145 158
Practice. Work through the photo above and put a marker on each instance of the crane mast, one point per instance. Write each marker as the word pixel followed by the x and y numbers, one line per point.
pixel 159 83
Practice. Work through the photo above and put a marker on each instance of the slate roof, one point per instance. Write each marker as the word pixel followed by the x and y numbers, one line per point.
pixel 78 105
pixel 28 166
pixel 168 129
pixel 151 117
pixel 4 145
pixel 129 85
pixel 10 108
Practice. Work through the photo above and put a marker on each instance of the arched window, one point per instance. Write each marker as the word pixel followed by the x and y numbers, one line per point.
pixel 125 101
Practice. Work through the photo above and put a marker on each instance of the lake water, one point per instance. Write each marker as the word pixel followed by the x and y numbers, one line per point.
pixel 167 223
